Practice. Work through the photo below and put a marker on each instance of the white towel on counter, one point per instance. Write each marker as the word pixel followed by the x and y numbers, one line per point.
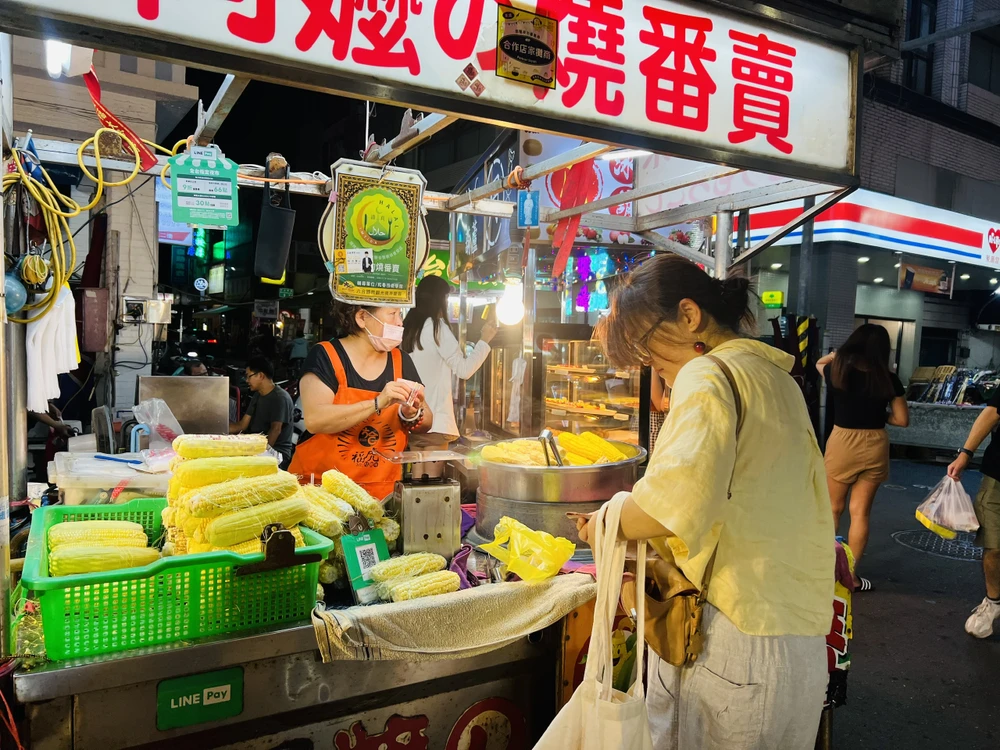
pixel 449 626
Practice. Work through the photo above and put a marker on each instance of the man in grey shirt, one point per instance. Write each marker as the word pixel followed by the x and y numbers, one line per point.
pixel 270 411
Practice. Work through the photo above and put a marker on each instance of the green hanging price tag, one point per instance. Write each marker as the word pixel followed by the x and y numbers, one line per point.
pixel 197 698
pixel 203 188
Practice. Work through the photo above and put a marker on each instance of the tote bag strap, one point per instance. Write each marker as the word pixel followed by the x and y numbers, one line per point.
pixel 609 557
pixel 740 414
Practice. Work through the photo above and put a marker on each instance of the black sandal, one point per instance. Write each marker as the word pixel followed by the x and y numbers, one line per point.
pixel 865 585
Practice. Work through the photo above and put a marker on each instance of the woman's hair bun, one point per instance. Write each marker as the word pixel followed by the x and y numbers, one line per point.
pixel 736 299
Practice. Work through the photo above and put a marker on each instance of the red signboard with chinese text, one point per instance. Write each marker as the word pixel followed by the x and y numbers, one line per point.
pixel 677 72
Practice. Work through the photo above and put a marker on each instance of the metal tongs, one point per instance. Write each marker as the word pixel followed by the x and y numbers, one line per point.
pixel 549 445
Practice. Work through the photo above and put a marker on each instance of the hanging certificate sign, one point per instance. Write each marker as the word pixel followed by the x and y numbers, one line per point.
pixel 370 236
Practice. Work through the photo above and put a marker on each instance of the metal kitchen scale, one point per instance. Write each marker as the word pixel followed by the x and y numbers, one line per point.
pixel 430 510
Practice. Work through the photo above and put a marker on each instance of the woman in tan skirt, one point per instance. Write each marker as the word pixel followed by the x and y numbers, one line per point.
pixel 867 395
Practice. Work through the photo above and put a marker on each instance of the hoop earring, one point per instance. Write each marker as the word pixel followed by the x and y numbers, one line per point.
pixel 699 347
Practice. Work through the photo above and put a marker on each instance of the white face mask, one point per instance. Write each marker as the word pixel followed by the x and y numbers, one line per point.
pixel 392 336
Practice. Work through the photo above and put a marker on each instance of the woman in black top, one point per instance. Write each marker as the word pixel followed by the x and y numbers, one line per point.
pixel 867 395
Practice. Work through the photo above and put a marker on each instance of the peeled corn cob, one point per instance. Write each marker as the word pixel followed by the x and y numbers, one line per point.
pixel 251 546
pixel 238 494
pixel 517 452
pixel 326 523
pixel 331 571
pixel 347 490
pixel 322 498
pixel 442 582
pixel 595 452
pixel 219 446
pixel 409 566
pixel 71 559
pixel 169 516
pixel 98 534
pixel 203 471
pixel 390 529
pixel 242 525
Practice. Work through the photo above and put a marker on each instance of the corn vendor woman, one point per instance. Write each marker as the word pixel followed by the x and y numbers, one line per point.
pixel 361 397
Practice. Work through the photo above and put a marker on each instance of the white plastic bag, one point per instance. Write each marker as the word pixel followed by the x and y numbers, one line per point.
pixel 162 423
pixel 598 717
pixel 948 510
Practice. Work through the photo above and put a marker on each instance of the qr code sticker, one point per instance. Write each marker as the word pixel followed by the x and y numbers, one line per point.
pixel 367 559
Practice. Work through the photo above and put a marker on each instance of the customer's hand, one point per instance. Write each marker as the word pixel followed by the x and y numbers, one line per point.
pixel 488 333
pixel 958 466
pixel 585 527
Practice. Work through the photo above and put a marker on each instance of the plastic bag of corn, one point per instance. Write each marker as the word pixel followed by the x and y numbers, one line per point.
pixel 219 446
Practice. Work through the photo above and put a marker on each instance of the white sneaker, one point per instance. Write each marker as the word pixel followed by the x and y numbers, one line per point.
pixel 980 623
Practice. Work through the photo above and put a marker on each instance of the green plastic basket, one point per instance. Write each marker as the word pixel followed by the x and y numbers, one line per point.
pixel 173 599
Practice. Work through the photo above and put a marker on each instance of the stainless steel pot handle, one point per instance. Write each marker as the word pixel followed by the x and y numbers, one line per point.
pixel 549 445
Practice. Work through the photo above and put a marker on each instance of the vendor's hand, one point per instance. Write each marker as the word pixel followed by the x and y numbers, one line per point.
pixel 419 402
pixel 488 333
pixel 958 466
pixel 393 393
pixel 63 430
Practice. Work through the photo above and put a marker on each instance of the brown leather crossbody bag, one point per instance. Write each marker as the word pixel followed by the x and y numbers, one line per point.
pixel 674 605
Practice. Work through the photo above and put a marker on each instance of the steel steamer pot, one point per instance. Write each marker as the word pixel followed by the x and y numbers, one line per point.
pixel 540 496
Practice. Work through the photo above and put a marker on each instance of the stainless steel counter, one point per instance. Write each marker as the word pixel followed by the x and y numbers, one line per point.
pixel 290 698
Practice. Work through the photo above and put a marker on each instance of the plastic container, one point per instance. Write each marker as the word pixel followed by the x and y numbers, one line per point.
pixel 83 479
pixel 173 599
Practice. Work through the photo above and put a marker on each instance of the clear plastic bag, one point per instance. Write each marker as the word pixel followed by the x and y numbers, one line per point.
pixel 531 555
pixel 948 510
pixel 162 423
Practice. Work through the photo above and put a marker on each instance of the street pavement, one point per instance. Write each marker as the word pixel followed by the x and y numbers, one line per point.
pixel 917 679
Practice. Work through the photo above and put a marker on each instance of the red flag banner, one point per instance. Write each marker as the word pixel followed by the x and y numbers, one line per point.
pixel 147 159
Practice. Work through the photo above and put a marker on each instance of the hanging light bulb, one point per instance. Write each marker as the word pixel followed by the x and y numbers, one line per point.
pixel 510 308
pixel 57 57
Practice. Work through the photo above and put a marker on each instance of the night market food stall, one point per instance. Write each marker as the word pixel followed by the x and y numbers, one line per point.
pixel 771 97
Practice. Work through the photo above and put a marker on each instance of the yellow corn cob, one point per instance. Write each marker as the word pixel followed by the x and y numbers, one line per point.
pixel 574 460
pixel 252 546
pixel 390 529
pixel 71 559
pixel 321 520
pixel 327 501
pixel 408 566
pixel 331 571
pixel 219 446
pixel 199 472
pixel 238 494
pixel 194 528
pixel 169 516
pixel 608 450
pixel 168 550
pixel 98 534
pixel 347 490
pixel 517 452
pixel 180 544
pixel 442 582
pixel 234 528
pixel 588 450
pixel 196 547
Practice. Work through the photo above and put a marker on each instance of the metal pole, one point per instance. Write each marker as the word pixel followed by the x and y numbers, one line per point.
pixel 528 343
pixel 463 333
pixel 17 413
pixel 723 243
pixel 805 261
pixel 5 645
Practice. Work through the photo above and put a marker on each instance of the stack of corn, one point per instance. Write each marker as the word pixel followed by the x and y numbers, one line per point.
pixel 93 546
pixel 587 449
pixel 413 576
pixel 517 452
pixel 330 507
pixel 222 495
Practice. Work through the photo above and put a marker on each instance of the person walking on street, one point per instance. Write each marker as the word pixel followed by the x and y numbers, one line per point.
pixel 428 339
pixel 270 410
pixel 867 395
pixel 747 518
pixel 981 621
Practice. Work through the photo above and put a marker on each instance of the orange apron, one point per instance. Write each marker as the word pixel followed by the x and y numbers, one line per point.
pixel 351 451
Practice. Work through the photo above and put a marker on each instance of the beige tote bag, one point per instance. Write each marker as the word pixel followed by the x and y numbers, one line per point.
pixel 598 717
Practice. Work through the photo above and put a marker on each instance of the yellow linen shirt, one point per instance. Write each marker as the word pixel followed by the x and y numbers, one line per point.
pixel 774 573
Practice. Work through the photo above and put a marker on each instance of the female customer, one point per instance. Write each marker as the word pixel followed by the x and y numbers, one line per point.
pixel 435 351
pixel 756 505
pixel 866 396
pixel 355 398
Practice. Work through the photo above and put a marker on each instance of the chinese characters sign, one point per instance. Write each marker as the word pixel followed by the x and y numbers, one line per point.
pixel 203 188
pixel 675 72
pixel 373 239
pixel 526 47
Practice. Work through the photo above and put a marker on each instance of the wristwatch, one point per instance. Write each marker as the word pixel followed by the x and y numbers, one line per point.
pixel 967 452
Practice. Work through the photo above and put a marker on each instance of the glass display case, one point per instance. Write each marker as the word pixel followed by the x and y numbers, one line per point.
pixel 583 392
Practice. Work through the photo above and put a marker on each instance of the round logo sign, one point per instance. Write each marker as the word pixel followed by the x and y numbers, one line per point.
pixel 201 284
